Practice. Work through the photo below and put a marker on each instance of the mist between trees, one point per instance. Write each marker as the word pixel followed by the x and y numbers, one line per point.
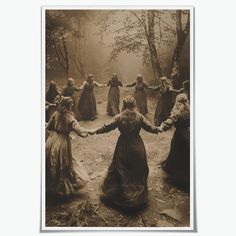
pixel 128 42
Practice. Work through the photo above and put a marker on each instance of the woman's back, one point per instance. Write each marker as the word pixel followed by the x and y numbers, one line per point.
pixel 129 122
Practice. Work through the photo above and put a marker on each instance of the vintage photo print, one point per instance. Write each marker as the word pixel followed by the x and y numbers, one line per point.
pixel 117 118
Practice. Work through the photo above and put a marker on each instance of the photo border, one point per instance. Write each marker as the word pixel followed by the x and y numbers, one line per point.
pixel 193 214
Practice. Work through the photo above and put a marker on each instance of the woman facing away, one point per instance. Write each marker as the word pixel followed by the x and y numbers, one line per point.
pixel 87 103
pixel 165 100
pixel 140 94
pixel 51 94
pixel 177 164
pixel 64 174
pixel 113 102
pixel 125 184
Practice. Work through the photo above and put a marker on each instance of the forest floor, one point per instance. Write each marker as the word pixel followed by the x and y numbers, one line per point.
pixel 168 206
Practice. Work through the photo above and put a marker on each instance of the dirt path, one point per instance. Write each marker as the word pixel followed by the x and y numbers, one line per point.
pixel 167 207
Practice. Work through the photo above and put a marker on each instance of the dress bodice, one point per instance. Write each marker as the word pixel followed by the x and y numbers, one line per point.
pixel 114 83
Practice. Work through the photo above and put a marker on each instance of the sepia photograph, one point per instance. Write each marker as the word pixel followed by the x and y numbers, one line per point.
pixel 117 118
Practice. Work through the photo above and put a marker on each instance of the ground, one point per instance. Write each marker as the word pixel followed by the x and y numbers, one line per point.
pixel 168 206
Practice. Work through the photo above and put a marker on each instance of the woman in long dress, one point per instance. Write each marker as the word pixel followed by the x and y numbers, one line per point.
pixel 87 103
pixel 113 96
pixel 177 164
pixel 51 94
pixel 165 100
pixel 140 94
pixel 125 184
pixel 64 174
pixel 69 91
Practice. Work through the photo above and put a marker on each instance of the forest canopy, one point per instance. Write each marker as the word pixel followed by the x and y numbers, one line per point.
pixel 151 42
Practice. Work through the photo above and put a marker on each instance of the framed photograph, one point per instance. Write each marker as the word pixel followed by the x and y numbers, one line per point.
pixel 118 118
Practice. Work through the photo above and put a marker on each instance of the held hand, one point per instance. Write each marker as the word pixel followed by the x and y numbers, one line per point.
pixel 160 130
pixel 91 132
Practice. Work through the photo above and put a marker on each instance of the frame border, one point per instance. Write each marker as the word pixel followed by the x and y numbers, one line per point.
pixel 193 207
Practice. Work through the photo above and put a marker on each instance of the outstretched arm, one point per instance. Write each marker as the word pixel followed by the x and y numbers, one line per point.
pixel 99 85
pixel 146 85
pixel 130 85
pixel 107 127
pixel 154 88
pixel 78 129
pixel 147 126
pixel 168 123
pixel 120 83
pixel 176 90
pixel 78 88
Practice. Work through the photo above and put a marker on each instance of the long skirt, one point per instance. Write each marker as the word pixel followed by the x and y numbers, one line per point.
pixel 113 101
pixel 126 182
pixel 177 164
pixel 141 101
pixel 163 108
pixel 87 106
pixel 64 174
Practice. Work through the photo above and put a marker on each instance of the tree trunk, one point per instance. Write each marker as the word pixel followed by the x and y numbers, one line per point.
pixel 181 38
pixel 63 58
pixel 152 48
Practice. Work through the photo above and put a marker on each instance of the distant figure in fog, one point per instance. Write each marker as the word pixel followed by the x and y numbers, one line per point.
pixel 51 95
pixel 113 102
pixel 87 103
pixel 165 100
pixel 126 182
pixel 64 174
pixel 177 164
pixel 69 90
pixel 140 94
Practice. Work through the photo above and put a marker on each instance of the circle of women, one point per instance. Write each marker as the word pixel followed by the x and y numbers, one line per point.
pixel 125 184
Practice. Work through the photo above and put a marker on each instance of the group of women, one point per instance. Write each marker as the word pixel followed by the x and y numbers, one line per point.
pixel 87 109
pixel 125 184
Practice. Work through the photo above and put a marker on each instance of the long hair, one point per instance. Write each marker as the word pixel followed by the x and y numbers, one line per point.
pixel 128 117
pixel 129 103
pixel 181 106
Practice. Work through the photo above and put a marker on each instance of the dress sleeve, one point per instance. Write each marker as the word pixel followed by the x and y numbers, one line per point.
pixel 96 84
pixel 168 123
pixel 154 88
pixel 78 129
pixel 147 126
pixel 120 83
pixel 109 83
pixel 108 127
pixel 131 85
pixel 77 88
pixel 145 85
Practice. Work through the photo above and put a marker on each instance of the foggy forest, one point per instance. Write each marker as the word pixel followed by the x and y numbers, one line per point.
pixel 127 43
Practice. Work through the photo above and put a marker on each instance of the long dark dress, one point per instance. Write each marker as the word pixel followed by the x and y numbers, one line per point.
pixel 87 103
pixel 113 97
pixel 140 96
pixel 50 99
pixel 177 164
pixel 164 105
pixel 64 174
pixel 69 92
pixel 126 181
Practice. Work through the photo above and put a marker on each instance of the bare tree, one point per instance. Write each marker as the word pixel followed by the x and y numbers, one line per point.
pixel 141 31
pixel 182 34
